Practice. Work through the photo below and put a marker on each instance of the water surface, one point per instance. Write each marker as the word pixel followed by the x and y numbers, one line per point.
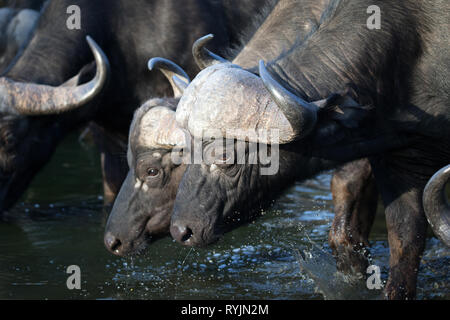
pixel 60 222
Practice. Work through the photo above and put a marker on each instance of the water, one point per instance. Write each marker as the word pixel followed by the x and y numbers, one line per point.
pixel 60 222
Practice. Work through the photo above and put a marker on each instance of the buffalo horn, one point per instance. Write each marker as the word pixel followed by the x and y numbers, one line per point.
pixel 177 77
pixel 202 56
pixel 436 206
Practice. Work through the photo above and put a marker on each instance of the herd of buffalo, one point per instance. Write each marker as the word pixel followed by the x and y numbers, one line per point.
pixel 306 82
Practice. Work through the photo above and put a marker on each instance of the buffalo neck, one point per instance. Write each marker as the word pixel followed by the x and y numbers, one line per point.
pixel 343 51
pixel 275 35
pixel 295 166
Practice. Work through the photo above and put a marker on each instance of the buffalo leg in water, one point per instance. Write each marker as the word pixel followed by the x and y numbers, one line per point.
pixel 401 190
pixel 355 199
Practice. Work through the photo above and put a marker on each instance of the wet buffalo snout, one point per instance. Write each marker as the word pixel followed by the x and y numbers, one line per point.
pixel 113 244
pixel 181 233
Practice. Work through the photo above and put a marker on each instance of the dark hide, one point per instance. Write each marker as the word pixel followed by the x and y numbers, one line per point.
pixel 400 74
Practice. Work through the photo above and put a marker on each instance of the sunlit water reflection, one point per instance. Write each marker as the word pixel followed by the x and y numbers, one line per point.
pixel 60 222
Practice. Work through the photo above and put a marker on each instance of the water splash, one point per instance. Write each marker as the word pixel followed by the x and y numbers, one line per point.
pixel 320 266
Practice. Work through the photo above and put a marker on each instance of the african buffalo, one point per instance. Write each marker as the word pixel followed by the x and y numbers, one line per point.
pixel 347 92
pixel 129 32
pixel 142 210
pixel 353 187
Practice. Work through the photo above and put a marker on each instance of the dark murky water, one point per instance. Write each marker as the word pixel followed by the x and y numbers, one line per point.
pixel 60 223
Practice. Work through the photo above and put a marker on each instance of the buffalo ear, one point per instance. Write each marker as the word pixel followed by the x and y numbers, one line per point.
pixel 344 109
pixel 30 99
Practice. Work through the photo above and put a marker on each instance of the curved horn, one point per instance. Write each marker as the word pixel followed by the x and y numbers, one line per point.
pixel 202 56
pixel 177 77
pixel 436 206
pixel 301 115
pixel 34 99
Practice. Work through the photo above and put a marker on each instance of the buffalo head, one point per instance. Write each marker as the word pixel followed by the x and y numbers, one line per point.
pixel 142 210
pixel 25 144
pixel 247 124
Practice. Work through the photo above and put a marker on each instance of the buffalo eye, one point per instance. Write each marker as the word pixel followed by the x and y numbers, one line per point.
pixel 152 172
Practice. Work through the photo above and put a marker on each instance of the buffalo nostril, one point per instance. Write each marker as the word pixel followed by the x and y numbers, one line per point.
pixel 180 233
pixel 187 235
pixel 112 243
